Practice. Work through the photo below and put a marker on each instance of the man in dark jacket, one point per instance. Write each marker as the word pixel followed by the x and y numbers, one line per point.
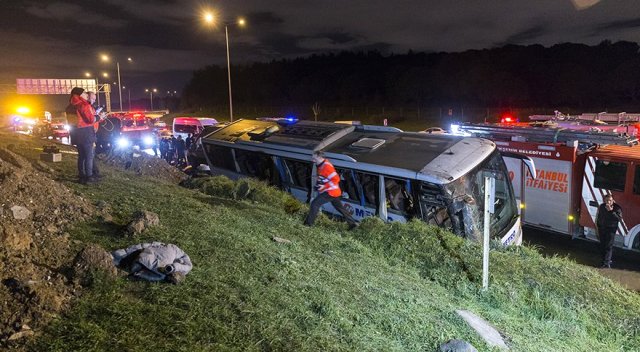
pixel 81 116
pixel 100 142
pixel 181 150
pixel 609 215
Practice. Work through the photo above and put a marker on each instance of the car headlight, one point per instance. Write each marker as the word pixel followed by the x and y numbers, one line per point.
pixel 122 142
pixel 147 140
pixel 67 127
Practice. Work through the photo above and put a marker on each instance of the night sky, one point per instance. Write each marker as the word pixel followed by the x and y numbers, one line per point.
pixel 167 39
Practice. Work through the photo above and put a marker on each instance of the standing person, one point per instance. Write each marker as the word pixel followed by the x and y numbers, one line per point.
pixel 328 186
pixel 607 219
pixel 172 149
pixel 164 148
pixel 181 150
pixel 81 115
pixel 188 141
pixel 100 142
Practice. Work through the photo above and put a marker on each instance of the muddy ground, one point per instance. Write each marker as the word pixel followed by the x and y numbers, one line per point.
pixel 41 269
pixel 35 251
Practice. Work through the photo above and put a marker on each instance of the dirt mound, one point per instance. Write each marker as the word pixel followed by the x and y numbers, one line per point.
pixel 34 249
pixel 142 220
pixel 90 260
pixel 147 165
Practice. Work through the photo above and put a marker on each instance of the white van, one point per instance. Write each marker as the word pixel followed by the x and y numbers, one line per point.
pixel 182 126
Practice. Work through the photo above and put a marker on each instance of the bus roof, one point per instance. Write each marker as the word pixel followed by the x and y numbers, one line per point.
pixel 388 150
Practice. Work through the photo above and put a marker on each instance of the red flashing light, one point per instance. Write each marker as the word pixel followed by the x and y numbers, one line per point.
pixel 137 115
pixel 508 119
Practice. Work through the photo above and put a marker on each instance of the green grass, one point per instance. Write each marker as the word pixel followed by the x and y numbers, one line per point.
pixel 383 287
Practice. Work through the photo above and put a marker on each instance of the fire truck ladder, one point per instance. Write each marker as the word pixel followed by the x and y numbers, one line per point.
pixel 548 135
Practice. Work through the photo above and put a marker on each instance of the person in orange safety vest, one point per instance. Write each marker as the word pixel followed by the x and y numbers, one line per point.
pixel 328 187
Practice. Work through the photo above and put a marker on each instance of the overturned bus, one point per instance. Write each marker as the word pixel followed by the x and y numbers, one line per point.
pixel 384 171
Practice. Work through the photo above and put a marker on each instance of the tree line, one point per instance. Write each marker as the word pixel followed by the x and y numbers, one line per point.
pixel 601 76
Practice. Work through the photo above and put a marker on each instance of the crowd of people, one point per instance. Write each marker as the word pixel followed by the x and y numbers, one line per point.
pixel 175 150
pixel 84 117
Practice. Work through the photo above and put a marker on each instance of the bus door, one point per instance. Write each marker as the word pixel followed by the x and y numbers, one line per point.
pixel 298 179
pixel 399 200
pixel 360 193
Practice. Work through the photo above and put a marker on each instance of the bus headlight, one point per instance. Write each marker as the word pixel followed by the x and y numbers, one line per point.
pixel 147 140
pixel 122 142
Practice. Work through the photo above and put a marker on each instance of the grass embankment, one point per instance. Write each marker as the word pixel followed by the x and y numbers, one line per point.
pixel 379 288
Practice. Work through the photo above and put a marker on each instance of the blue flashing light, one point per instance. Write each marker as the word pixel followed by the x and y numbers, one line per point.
pixel 289 120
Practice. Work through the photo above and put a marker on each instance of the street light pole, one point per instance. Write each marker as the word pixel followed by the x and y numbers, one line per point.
pixel 119 85
pixel 226 33
pixel 98 89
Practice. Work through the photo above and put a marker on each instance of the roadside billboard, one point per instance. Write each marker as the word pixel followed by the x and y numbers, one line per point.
pixel 52 85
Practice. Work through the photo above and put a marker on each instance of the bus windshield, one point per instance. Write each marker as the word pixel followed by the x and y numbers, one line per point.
pixel 467 200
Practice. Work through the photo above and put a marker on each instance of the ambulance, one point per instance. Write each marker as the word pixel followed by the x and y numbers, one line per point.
pixel 576 167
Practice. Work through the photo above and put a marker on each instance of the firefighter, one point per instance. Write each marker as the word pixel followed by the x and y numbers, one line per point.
pixel 328 187
pixel 607 219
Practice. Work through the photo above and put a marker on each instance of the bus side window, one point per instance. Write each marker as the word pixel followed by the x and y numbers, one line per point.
pixel 369 184
pixel 398 196
pixel 300 173
pixel 221 157
pixel 258 165
pixel 610 175
pixel 348 185
pixel 636 181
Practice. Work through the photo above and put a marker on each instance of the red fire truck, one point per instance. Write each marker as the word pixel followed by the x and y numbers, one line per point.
pixel 576 168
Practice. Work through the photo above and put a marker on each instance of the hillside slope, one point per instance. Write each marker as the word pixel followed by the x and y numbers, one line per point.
pixel 381 287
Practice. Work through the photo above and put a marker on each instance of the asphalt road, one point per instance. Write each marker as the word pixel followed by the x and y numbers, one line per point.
pixel 626 264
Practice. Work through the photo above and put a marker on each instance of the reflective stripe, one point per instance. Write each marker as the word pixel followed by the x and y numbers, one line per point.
pixel 332 175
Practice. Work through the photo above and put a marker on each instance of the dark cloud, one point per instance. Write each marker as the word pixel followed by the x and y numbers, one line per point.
pixel 62 38
pixel 67 12
pixel 618 25
pixel 340 37
pixel 526 36
pixel 265 18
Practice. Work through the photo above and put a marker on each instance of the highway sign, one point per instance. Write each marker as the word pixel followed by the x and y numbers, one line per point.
pixel 53 86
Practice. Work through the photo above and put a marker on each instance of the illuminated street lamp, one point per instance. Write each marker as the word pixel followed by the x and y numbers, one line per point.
pixel 151 91
pixel 106 58
pixel 210 20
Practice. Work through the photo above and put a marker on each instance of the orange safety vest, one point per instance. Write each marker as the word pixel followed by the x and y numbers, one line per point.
pixel 328 179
